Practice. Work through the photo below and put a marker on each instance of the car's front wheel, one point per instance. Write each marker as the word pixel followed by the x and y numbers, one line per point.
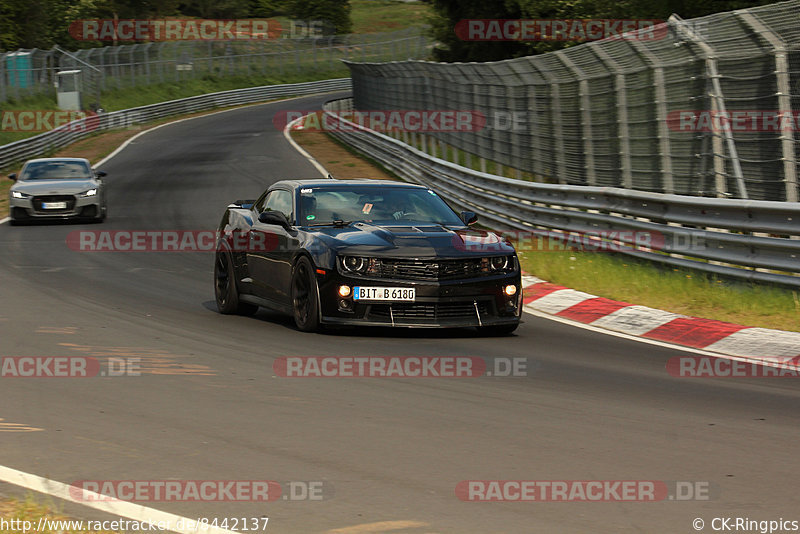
pixel 304 296
pixel 225 291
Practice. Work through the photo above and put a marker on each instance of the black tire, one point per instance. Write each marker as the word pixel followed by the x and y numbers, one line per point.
pixel 498 330
pixel 305 305
pixel 225 291
pixel 12 222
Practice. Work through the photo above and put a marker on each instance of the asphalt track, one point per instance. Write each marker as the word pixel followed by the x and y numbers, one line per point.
pixel 209 407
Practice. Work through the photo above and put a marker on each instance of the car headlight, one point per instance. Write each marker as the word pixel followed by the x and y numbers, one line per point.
pixel 20 194
pixel 355 264
pixel 89 193
pixel 498 264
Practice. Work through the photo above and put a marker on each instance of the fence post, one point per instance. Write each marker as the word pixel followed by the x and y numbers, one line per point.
pixel 558 131
pixel 586 117
pixel 713 74
pixel 623 136
pixel 659 87
pixel 783 86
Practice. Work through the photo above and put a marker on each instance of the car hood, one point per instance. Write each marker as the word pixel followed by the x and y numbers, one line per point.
pixel 413 241
pixel 54 187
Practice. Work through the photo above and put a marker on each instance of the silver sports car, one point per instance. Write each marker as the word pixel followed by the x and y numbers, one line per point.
pixel 57 188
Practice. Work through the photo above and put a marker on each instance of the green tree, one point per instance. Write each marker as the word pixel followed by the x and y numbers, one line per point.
pixel 218 9
pixel 450 47
pixel 449 12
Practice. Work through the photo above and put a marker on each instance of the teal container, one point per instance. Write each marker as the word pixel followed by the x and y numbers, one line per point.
pixel 19 69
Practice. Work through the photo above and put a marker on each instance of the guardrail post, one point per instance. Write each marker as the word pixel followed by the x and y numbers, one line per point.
pixel 586 117
pixel 623 134
pixel 784 94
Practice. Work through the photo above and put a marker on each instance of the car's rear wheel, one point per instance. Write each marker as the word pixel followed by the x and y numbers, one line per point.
pixel 498 330
pixel 304 296
pixel 225 291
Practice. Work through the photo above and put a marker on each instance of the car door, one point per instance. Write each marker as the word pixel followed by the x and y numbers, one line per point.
pixel 271 249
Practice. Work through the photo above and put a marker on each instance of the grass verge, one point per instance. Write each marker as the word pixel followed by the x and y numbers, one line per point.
pixel 32 511
pixel 676 290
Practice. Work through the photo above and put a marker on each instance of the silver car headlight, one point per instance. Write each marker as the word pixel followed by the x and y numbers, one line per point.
pixel 20 194
pixel 355 264
pixel 89 193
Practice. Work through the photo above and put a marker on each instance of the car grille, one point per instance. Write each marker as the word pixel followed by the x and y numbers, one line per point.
pixel 403 269
pixel 432 312
pixel 39 200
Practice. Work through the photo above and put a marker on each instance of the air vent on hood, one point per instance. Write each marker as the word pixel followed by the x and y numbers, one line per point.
pixel 419 229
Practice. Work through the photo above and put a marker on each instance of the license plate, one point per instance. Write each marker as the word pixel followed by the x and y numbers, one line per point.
pixel 396 294
pixel 54 205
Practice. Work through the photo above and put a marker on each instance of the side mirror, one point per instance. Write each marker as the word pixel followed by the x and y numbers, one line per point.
pixel 274 217
pixel 100 174
pixel 469 217
pixel 12 177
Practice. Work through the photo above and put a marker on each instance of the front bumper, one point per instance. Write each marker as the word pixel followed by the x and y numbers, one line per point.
pixel 22 209
pixel 453 303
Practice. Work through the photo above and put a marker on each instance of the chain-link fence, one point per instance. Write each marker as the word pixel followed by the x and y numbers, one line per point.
pixel 28 72
pixel 628 112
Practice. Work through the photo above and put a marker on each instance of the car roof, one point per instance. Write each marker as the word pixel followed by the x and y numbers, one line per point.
pixel 323 182
pixel 69 160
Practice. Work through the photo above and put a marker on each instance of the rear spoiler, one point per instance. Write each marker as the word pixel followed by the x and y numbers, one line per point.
pixel 243 204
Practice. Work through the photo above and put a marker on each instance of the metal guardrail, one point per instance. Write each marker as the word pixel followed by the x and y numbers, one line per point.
pixel 44 143
pixel 753 240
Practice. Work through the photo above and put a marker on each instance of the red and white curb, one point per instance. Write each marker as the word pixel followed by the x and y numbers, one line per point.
pixel 541 297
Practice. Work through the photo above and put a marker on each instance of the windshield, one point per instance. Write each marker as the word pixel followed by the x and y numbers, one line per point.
pixel 55 170
pixel 324 205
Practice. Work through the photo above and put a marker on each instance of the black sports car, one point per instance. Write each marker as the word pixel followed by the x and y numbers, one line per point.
pixel 364 252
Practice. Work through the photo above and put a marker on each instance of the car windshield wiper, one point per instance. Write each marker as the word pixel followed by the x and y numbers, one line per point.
pixel 338 223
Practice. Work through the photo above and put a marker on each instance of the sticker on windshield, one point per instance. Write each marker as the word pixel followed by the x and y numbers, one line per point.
pixel 310 217
pixel 306 191
pixel 366 209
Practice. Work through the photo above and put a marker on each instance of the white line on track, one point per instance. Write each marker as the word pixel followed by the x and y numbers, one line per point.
pixel 286 133
pixel 126 509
